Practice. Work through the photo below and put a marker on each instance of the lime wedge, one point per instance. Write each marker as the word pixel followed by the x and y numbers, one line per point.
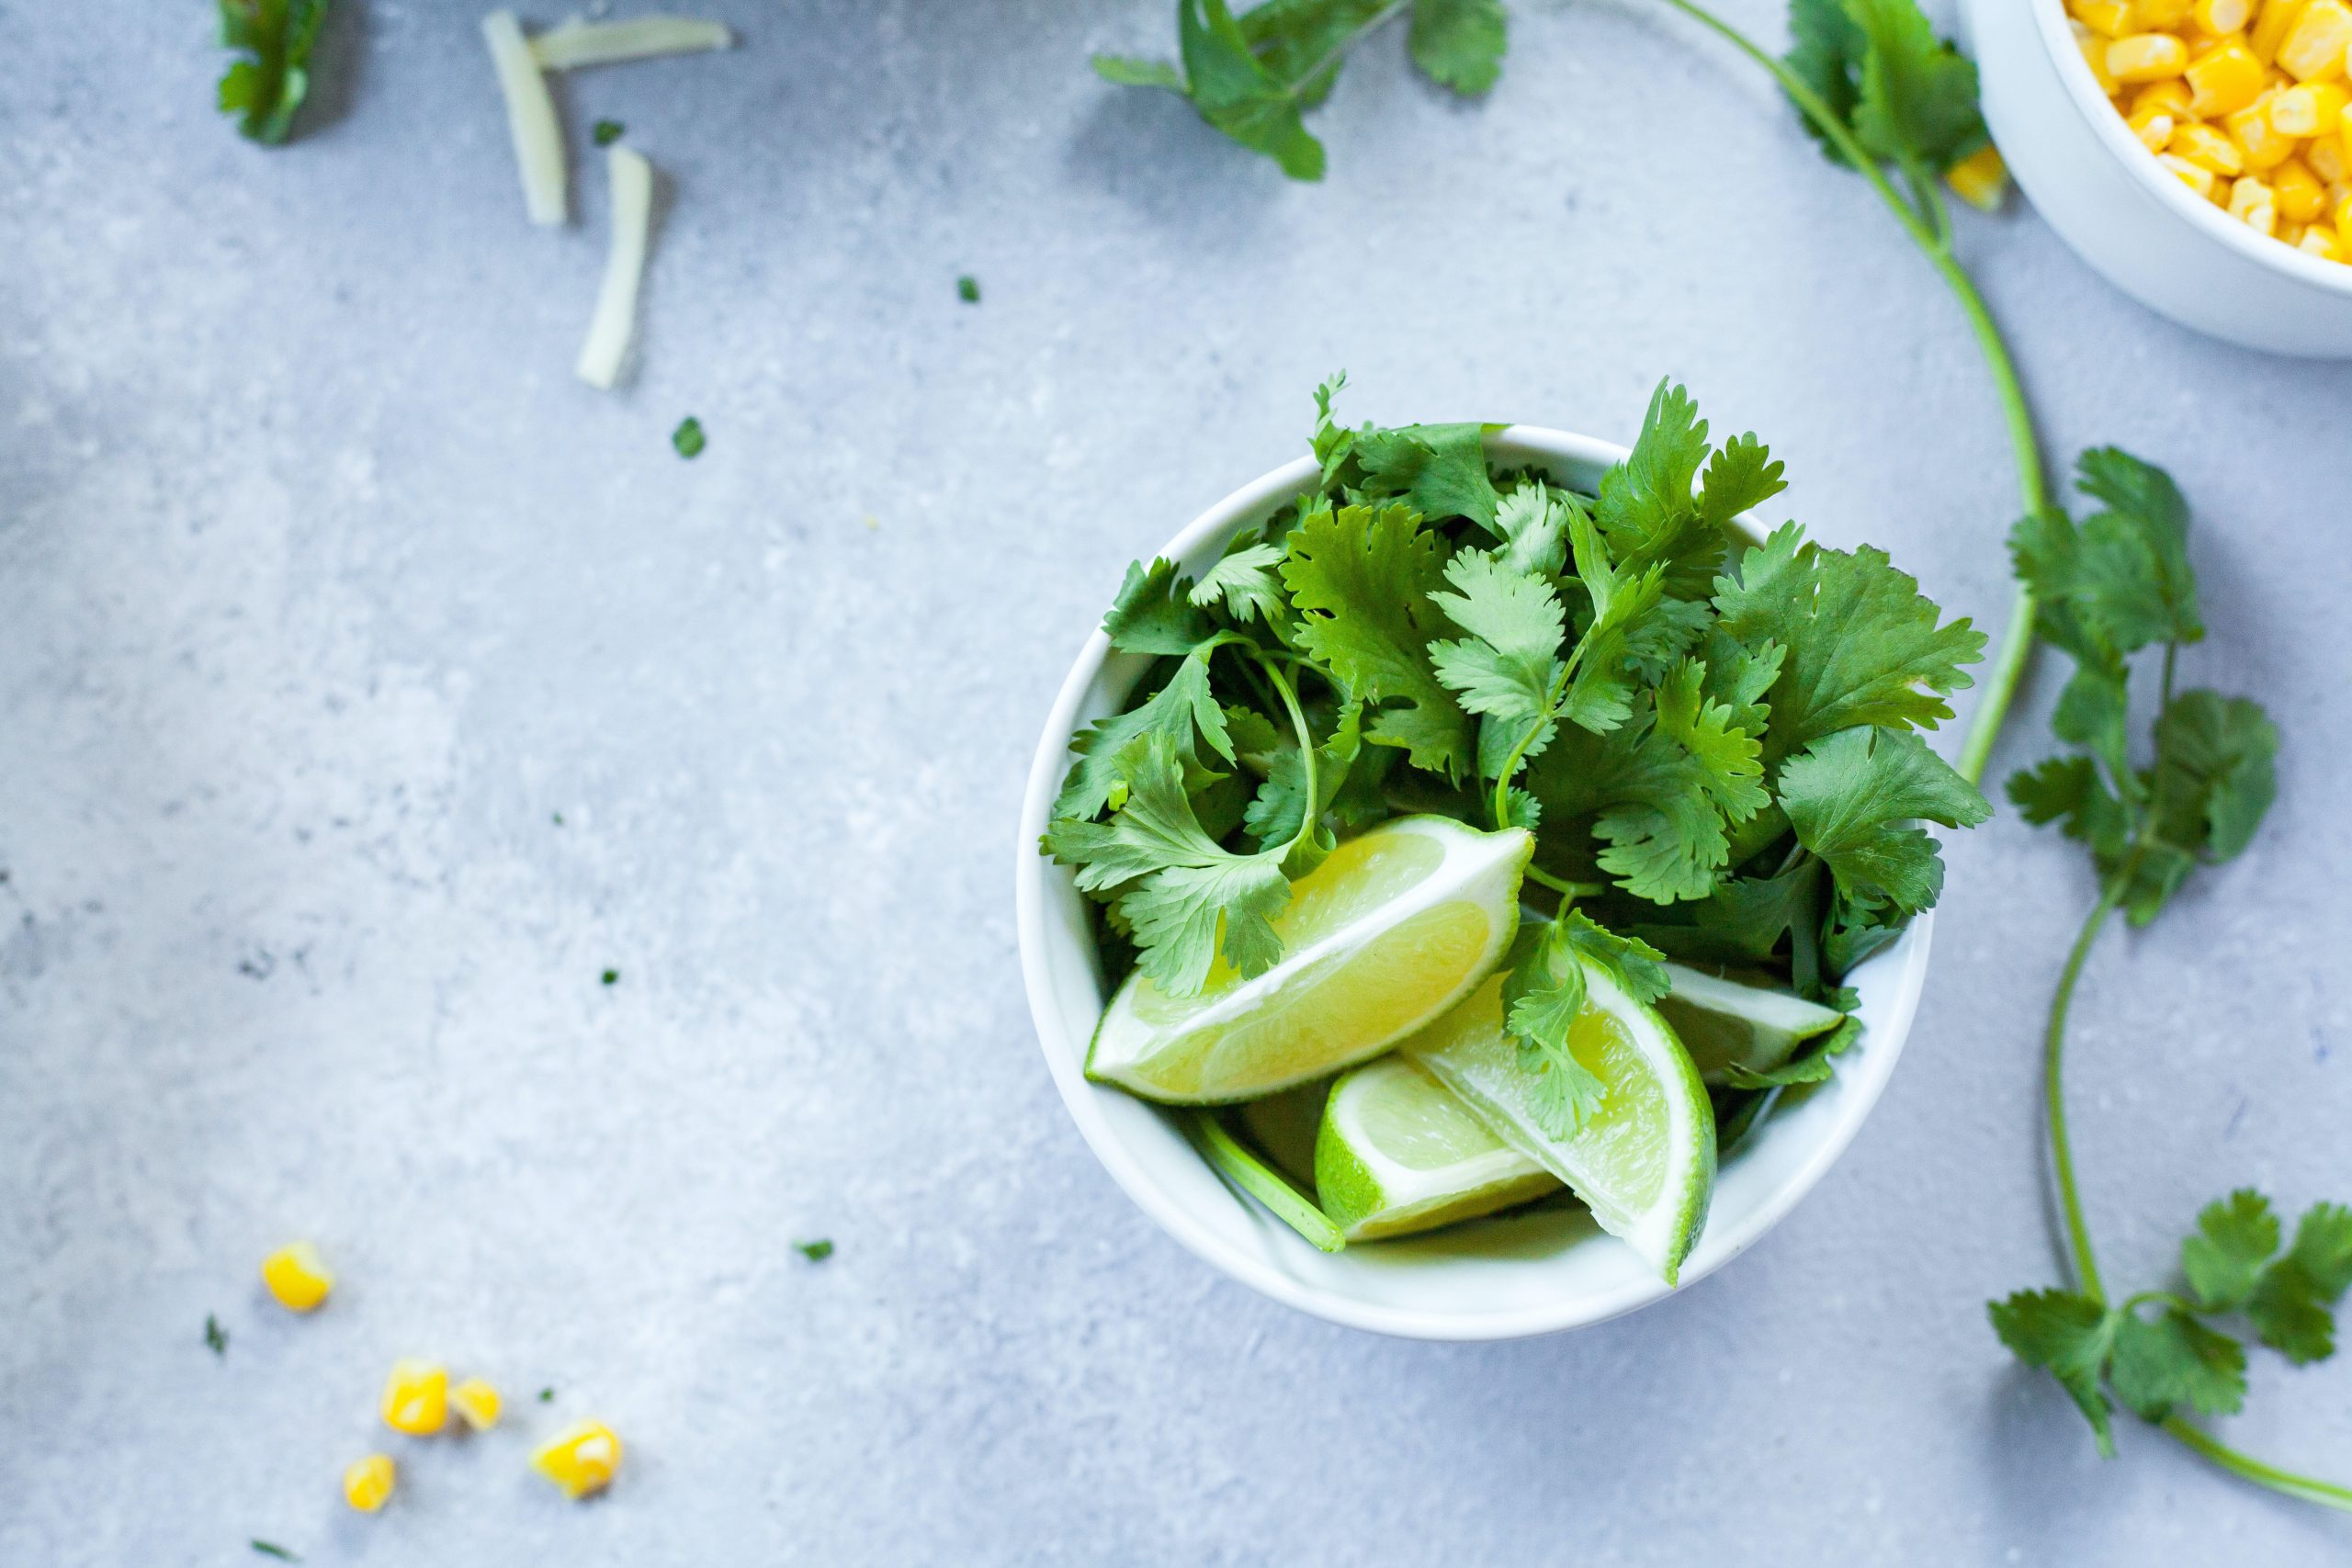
pixel 1727 1023
pixel 1645 1162
pixel 1388 932
pixel 1397 1153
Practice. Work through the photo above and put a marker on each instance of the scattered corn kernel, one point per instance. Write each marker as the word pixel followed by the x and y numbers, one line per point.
pixel 2270 28
pixel 2310 108
pixel 2223 79
pixel 2200 180
pixel 581 1459
pixel 2314 47
pixel 368 1485
pixel 2112 17
pixel 1981 179
pixel 2149 57
pixel 2220 18
pixel 478 1403
pixel 416 1397
pixel 297 1277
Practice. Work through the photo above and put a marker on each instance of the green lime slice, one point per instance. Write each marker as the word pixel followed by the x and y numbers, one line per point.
pixel 1399 1154
pixel 1392 928
pixel 1725 1023
pixel 1645 1162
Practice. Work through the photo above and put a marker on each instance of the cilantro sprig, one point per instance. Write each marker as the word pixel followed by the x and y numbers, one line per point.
pixel 1254 76
pixel 266 88
pixel 2112 589
pixel 1714 743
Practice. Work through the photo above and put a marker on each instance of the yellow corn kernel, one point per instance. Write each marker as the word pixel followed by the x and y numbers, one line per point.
pixel 2270 28
pixel 2299 195
pixel 2327 155
pixel 581 1459
pixel 368 1485
pixel 2109 18
pixel 2223 80
pixel 2204 145
pixel 2168 97
pixel 2251 204
pixel 2151 57
pixel 2220 17
pixel 478 1403
pixel 2160 15
pixel 2260 145
pixel 416 1397
pixel 2196 178
pixel 2344 221
pixel 1981 179
pixel 2094 49
pixel 297 1277
pixel 2313 109
pixel 2318 242
pixel 2153 129
pixel 2314 47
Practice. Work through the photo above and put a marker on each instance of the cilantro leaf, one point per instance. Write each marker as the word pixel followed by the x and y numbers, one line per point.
pixel 1826 56
pixel 1506 668
pixel 1439 468
pixel 1278 810
pixel 1732 772
pixel 1742 476
pixel 2068 1335
pixel 1188 899
pixel 1238 95
pixel 2121 581
pixel 2173 1360
pixel 1459 44
pixel 264 89
pixel 1919 93
pixel 1544 994
pixel 1811 1066
pixel 1646 510
pixel 1361 580
pixel 1241 578
pixel 2234 1238
pixel 2213 779
pixel 1156 611
pixel 1184 704
pixel 1851 798
pixel 2292 1304
pixel 1533 522
pixel 1862 645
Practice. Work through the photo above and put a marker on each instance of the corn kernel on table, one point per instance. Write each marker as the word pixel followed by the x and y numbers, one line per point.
pixel 374 688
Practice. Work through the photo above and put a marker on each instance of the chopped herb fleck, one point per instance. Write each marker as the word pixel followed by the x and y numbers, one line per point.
pixel 815 1251
pixel 687 438
pixel 546 1396
pixel 557 818
pixel 608 132
pixel 968 289
pixel 215 1336
pixel 611 976
pixel 271 1549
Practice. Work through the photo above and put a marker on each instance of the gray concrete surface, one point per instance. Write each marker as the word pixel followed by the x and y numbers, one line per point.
pixel 323 589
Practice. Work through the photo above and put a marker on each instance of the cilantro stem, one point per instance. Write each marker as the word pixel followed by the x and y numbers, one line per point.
pixel 1250 1174
pixel 1930 225
pixel 1347 41
pixel 2303 1488
pixel 1570 891
pixel 1310 810
pixel 2062 1156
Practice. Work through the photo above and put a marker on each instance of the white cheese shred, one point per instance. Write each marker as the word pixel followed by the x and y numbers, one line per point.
pixel 569 45
pixel 614 324
pixel 530 118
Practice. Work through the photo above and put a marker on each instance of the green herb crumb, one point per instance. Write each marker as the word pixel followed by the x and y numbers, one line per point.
pixel 557 818
pixel 546 1396
pixel 271 1549
pixel 610 978
pixel 687 438
pixel 215 1337
pixel 968 289
pixel 608 132
pixel 815 1251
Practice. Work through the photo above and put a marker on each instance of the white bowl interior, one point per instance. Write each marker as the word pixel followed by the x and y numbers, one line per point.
pixel 1532 1272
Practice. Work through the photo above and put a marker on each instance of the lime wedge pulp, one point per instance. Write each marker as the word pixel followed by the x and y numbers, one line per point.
pixel 1397 1153
pixel 1645 1162
pixel 1725 1023
pixel 1396 926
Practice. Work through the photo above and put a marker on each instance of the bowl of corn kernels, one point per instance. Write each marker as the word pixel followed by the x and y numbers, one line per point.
pixel 2196 152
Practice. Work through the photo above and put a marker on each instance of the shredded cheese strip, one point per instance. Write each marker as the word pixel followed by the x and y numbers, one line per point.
pixel 575 43
pixel 530 118
pixel 616 320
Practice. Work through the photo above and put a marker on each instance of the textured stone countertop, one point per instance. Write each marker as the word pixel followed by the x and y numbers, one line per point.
pixel 371 686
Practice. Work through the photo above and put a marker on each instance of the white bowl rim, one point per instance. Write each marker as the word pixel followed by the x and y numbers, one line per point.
pixel 1863 1076
pixel 2050 19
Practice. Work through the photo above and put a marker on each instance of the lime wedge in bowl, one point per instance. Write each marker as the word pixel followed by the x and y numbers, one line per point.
pixel 1399 1154
pixel 1725 1023
pixel 1645 1162
pixel 1389 931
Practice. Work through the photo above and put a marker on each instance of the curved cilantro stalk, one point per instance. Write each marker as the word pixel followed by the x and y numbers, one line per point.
pixel 1925 218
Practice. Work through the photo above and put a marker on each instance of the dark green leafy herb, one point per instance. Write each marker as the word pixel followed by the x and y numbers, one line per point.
pixel 216 1338
pixel 688 438
pixel 608 132
pixel 815 1251
pixel 1253 76
pixel 265 88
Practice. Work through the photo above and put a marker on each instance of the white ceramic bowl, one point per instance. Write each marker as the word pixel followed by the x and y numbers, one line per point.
pixel 2125 214
pixel 1499 1278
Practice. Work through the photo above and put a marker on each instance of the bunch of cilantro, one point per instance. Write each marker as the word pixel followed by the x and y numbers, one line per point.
pixel 1715 741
